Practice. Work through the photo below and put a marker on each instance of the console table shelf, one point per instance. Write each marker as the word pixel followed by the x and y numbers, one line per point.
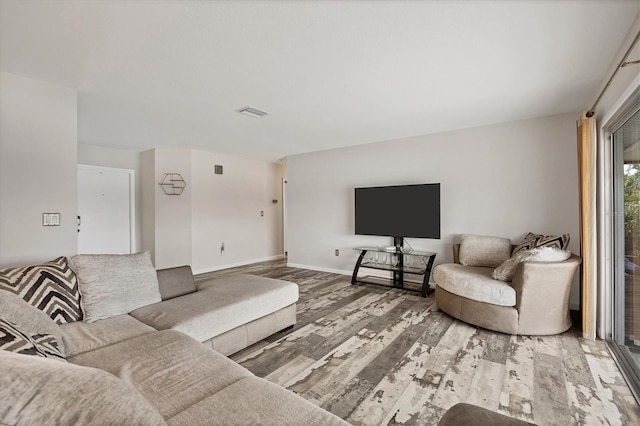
pixel 388 267
pixel 396 265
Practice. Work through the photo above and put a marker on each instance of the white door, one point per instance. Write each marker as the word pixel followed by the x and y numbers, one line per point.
pixel 105 210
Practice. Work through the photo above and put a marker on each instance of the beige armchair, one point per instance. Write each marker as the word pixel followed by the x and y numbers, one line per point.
pixel 535 302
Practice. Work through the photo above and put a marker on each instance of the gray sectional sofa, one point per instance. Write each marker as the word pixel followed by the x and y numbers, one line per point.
pixel 161 363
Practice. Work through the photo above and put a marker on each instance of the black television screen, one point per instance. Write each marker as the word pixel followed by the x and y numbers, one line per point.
pixel 398 211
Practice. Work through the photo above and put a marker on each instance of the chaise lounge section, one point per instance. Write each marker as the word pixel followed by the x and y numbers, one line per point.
pixel 227 314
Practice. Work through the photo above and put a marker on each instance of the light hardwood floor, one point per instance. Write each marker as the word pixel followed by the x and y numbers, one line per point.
pixel 381 356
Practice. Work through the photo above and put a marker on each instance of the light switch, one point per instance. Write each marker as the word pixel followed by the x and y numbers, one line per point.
pixel 50 219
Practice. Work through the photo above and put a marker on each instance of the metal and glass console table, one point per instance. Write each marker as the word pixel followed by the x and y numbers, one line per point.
pixel 398 263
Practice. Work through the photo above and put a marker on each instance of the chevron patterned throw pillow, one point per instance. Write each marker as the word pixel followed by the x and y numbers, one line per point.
pixel 13 339
pixel 531 241
pixel 51 287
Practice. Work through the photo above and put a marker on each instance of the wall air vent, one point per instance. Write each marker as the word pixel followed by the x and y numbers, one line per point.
pixel 252 112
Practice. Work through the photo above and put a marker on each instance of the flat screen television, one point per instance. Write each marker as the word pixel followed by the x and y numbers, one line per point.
pixel 398 211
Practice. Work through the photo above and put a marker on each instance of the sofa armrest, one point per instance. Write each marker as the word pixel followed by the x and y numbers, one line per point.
pixel 542 295
pixel 174 282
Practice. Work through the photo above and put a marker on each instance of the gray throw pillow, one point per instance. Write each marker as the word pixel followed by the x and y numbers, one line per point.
pixel 480 250
pixel 174 282
pixel 113 284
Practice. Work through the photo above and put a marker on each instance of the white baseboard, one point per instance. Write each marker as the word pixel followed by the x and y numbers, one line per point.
pixel 319 268
pixel 234 265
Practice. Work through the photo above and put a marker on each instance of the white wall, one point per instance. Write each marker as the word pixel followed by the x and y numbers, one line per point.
pixel 504 180
pixel 38 157
pixel 190 228
pixel 173 244
pixel 148 202
pixel 94 155
pixel 226 208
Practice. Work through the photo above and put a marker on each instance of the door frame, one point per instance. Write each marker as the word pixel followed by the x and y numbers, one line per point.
pixel 284 217
pixel 132 197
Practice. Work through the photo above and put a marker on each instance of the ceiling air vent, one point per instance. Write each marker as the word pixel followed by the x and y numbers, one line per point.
pixel 252 112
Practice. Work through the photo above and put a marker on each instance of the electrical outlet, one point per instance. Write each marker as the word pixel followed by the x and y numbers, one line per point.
pixel 337 252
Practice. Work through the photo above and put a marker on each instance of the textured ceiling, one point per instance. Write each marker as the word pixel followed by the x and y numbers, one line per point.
pixel 172 73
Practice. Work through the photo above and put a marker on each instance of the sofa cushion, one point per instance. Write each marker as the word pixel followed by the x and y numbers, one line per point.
pixel 219 305
pixel 39 391
pixel 480 250
pixel 51 287
pixel 80 337
pixel 255 401
pixel 170 369
pixel 486 315
pixel 113 284
pixel 474 283
pixel 29 318
pixel 174 282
